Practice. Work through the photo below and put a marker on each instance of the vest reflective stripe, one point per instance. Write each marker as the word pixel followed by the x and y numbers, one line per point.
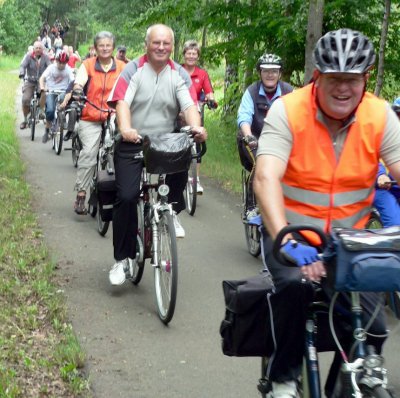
pixel 297 218
pixel 324 199
pixel 335 192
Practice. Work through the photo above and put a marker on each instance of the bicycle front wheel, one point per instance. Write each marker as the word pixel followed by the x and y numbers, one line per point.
pixel 139 267
pixel 32 120
pixel 166 271
pixel 376 392
pixel 190 193
pixel 76 149
pixel 58 134
pixel 253 238
pixel 374 222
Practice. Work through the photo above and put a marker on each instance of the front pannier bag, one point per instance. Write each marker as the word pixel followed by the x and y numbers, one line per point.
pixel 167 153
pixel 365 260
pixel 246 329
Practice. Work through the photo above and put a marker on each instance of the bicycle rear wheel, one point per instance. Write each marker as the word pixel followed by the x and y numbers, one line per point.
pixel 102 226
pixel 139 267
pixel 166 271
pixel 190 193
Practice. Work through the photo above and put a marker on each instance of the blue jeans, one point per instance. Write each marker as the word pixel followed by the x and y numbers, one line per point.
pixel 388 207
pixel 51 105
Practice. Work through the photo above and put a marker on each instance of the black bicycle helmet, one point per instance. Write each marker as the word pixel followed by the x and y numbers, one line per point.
pixel 344 50
pixel 269 59
pixel 396 106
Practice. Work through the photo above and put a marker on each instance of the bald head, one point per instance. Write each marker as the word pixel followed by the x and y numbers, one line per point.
pixel 159 28
pixel 38 48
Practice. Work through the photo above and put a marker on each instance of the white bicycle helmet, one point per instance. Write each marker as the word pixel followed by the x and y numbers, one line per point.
pixel 344 50
pixel 268 61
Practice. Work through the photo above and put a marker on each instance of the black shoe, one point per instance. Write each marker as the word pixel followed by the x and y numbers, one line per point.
pixel 68 135
pixel 45 137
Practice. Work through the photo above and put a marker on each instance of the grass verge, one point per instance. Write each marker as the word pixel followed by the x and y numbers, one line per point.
pixel 40 355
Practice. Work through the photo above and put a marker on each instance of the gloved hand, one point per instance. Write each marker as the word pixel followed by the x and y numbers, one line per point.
pixel 21 76
pixel 251 141
pixel 298 253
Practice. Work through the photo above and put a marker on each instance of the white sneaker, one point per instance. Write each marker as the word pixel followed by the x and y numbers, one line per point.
pixel 252 213
pixel 287 389
pixel 179 231
pixel 200 189
pixel 117 273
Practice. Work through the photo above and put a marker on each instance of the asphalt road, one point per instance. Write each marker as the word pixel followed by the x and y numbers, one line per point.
pixel 130 353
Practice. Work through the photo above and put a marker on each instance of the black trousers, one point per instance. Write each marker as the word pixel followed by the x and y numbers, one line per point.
pixel 128 170
pixel 290 308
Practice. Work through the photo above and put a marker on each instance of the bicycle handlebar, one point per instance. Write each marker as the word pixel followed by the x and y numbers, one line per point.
pixel 86 99
pixel 295 228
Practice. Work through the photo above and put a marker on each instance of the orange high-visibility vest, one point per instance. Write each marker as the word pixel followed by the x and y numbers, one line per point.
pixel 319 189
pixel 98 87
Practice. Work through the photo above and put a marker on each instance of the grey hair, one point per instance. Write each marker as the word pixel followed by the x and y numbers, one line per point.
pixel 104 35
pixel 191 45
pixel 155 26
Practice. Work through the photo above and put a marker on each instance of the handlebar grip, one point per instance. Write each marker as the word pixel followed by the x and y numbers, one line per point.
pixel 295 228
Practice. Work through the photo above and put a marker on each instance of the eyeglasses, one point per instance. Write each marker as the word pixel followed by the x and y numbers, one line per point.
pixel 355 81
pixel 270 71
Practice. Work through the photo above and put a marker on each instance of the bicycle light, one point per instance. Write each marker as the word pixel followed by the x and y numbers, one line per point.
pixel 163 190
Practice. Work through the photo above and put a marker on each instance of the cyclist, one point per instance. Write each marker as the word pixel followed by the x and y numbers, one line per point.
pixel 96 76
pixel 314 145
pixel 253 108
pixel 74 57
pixel 57 76
pixel 148 96
pixel 121 54
pixel 32 67
pixel 387 195
pixel 201 83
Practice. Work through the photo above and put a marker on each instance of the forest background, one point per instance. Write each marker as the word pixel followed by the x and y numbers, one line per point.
pixel 233 33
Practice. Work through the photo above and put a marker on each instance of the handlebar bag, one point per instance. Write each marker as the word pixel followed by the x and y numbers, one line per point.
pixel 167 153
pixel 246 328
pixel 365 260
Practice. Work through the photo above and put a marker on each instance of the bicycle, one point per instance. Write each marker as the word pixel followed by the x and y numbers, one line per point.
pixel 156 240
pixel 58 123
pixel 190 192
pixel 362 373
pixel 73 113
pixel 34 109
pixel 104 169
pixel 251 229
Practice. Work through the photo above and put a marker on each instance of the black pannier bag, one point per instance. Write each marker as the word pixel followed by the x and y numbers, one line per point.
pixel 246 329
pixel 106 194
pixel 167 153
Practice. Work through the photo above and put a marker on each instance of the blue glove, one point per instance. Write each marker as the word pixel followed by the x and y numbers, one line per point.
pixel 298 253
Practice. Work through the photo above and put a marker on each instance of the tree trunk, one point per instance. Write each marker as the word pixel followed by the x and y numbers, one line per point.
pixel 382 45
pixel 314 32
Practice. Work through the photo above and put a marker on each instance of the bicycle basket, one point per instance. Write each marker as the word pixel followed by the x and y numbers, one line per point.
pixel 167 153
pixel 365 260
